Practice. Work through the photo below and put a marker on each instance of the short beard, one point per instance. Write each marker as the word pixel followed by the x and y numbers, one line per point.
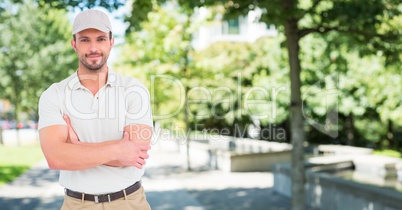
pixel 93 67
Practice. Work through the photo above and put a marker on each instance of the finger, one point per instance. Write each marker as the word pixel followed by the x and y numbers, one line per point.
pixel 141 161
pixel 144 147
pixel 72 136
pixel 67 119
pixel 71 130
pixel 126 136
pixel 144 155
pixel 137 165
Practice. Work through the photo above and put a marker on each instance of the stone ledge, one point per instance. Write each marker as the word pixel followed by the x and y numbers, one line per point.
pixel 240 155
pixel 342 150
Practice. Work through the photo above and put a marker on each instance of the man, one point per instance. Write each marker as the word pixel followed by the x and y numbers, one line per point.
pixel 96 125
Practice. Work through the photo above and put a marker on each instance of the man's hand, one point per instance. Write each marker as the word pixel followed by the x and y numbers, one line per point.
pixel 72 135
pixel 132 153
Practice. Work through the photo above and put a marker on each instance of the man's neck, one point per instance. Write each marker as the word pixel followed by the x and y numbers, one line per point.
pixel 93 79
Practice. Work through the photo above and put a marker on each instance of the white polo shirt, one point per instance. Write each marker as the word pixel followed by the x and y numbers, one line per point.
pixel 122 101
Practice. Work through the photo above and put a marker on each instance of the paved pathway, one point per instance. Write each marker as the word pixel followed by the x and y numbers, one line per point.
pixel 37 189
pixel 168 187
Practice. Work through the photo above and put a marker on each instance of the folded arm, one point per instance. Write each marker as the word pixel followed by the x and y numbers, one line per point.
pixel 139 134
pixel 62 154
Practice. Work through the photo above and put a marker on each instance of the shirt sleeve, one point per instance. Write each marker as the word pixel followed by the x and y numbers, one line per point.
pixel 138 105
pixel 50 108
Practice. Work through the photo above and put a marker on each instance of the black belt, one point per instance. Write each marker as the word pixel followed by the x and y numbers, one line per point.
pixel 104 197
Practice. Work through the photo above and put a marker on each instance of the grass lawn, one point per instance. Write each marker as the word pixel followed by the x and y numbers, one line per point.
pixel 389 153
pixel 16 160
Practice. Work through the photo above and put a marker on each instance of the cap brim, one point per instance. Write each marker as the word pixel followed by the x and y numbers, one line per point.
pixel 94 26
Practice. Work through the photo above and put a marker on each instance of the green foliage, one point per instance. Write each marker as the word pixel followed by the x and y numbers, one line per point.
pixel 336 77
pixel 140 9
pixel 328 61
pixel 35 52
pixel 65 4
pixel 225 79
pixel 271 73
pixel 160 54
pixel 254 79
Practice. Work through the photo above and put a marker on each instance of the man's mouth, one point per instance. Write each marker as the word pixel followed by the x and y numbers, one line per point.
pixel 93 55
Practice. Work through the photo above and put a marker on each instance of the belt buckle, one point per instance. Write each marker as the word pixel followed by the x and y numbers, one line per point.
pixel 96 199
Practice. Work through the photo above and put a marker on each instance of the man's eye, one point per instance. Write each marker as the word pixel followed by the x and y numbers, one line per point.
pixel 102 39
pixel 84 40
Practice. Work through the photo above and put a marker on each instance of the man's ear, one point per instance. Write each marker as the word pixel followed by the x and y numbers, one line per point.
pixel 111 42
pixel 73 44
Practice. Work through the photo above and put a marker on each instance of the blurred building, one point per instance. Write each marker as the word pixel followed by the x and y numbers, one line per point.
pixel 241 29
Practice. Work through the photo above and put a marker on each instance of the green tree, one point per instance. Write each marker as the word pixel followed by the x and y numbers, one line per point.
pixel 364 87
pixel 35 52
pixel 154 54
pixel 68 4
pixel 300 18
pixel 226 82
pixel 241 94
pixel 162 44
pixel 271 73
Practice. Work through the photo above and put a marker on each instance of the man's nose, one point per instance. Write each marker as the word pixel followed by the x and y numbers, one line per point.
pixel 93 47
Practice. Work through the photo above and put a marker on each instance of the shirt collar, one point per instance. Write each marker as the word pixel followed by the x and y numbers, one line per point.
pixel 75 84
pixel 111 78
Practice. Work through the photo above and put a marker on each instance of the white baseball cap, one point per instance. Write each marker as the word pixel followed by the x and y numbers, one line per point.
pixel 92 19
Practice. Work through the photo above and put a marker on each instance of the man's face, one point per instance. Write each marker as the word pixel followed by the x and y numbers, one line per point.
pixel 92 47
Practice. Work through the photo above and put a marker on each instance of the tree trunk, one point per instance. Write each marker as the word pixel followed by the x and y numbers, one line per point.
pixel 350 130
pixel 16 115
pixel 390 136
pixel 187 122
pixel 186 71
pixel 298 135
pixel 1 136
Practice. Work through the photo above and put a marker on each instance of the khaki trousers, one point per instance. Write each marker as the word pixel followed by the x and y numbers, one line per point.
pixel 134 201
